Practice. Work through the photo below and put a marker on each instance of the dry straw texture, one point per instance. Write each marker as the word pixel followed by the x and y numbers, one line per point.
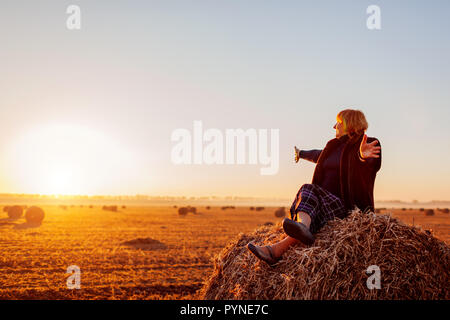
pixel 413 264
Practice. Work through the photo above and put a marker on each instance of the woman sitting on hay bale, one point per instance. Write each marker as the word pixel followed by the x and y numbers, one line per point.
pixel 343 178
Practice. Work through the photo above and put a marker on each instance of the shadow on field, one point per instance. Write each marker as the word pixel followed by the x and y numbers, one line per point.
pixel 18 226
pixel 7 222
pixel 27 225
pixel 145 244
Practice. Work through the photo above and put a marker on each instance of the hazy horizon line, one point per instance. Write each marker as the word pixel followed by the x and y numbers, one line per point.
pixel 143 197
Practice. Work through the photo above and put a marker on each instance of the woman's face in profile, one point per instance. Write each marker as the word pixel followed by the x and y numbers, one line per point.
pixel 339 126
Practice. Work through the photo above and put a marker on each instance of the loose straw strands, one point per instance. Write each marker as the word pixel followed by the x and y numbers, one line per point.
pixel 413 264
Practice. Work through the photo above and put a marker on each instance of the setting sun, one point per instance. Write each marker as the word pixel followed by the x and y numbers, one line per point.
pixel 61 182
pixel 65 159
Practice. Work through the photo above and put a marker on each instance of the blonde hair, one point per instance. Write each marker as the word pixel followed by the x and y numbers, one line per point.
pixel 354 121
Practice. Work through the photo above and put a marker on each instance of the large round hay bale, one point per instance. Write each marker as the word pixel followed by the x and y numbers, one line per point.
pixel 182 211
pixel 412 264
pixel 34 215
pixel 429 212
pixel 280 213
pixel 445 210
pixel 15 212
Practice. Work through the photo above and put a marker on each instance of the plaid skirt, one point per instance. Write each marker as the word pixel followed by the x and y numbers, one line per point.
pixel 320 204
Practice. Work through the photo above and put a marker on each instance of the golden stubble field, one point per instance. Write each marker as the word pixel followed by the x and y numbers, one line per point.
pixel 119 254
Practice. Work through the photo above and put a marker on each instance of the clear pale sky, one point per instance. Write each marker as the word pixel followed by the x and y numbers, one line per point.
pixel 92 111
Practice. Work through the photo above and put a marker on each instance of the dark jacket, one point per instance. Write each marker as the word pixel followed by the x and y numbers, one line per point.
pixel 357 175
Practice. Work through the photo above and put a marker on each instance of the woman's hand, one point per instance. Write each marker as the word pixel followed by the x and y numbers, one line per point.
pixel 369 150
pixel 297 154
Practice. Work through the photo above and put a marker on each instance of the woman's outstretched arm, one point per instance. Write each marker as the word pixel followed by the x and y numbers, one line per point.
pixel 370 152
pixel 310 155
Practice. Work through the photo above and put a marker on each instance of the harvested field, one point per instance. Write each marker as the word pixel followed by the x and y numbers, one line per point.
pixel 105 245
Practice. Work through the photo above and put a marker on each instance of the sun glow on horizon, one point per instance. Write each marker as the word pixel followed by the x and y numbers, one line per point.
pixel 66 159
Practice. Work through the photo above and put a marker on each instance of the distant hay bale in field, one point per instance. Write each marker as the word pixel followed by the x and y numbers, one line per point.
pixel 429 212
pixel 252 208
pixel 34 215
pixel 110 208
pixel 192 209
pixel 124 207
pixel 208 207
pixel 259 208
pixel 403 209
pixel 15 212
pixel 445 210
pixel 91 206
pixel 413 264
pixel 228 207
pixel 421 209
pixel 182 211
pixel 175 207
pixel 145 244
pixel 280 213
